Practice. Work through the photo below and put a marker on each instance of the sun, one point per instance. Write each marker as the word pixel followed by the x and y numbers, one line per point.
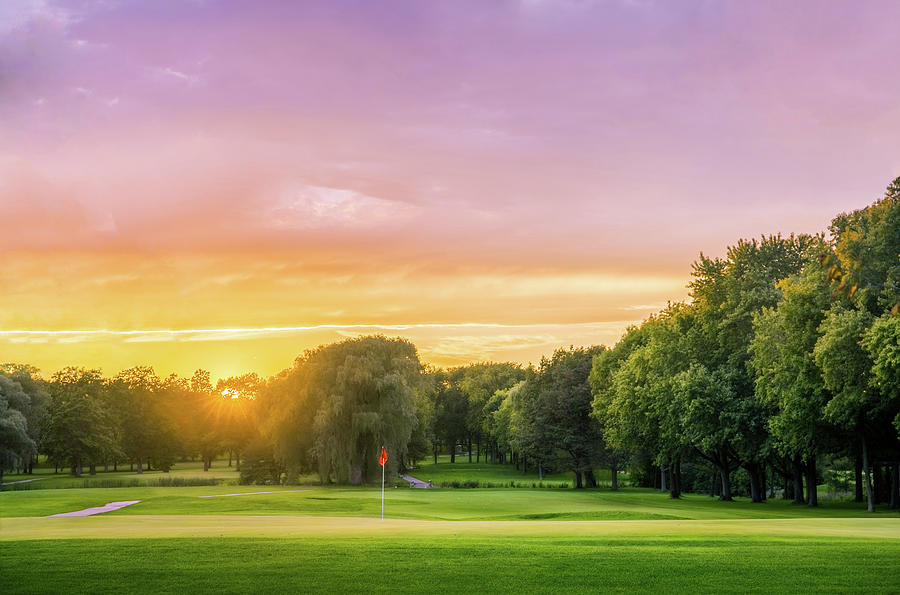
pixel 231 393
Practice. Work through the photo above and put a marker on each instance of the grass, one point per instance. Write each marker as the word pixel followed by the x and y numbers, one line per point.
pixel 452 564
pixel 439 504
pixel 445 472
pixel 328 539
pixel 189 473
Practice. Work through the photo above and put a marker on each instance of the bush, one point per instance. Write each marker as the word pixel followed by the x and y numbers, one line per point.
pixel 259 466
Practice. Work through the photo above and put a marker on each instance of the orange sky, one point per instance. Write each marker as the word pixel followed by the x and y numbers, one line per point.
pixel 490 180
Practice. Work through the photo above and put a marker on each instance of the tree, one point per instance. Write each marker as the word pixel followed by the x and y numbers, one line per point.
pixel 15 443
pixel 787 379
pixel 451 411
pixel 561 412
pixel 726 296
pixel 148 434
pixel 235 412
pixel 78 429
pixel 36 411
pixel 361 395
pixel 478 384
pixel 846 372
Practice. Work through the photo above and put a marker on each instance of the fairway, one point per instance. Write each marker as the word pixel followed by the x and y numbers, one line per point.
pixel 485 540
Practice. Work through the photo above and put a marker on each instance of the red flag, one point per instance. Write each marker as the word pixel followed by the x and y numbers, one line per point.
pixel 383 459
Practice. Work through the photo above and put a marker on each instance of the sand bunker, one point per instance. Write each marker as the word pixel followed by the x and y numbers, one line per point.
pixel 98 509
pixel 249 493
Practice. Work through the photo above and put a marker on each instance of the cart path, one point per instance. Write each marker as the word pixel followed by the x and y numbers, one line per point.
pixel 110 506
pixel 10 483
pixel 416 483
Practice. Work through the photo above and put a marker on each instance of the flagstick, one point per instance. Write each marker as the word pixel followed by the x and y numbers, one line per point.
pixel 382 490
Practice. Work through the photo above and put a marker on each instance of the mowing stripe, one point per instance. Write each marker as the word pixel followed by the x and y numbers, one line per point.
pixel 250 493
pixel 143 526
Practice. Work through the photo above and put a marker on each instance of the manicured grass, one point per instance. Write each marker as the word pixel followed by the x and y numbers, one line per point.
pixel 438 504
pixel 45 478
pixel 452 564
pixel 487 540
pixel 486 473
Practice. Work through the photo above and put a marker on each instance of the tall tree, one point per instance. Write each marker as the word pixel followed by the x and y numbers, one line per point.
pixel 562 410
pixel 787 379
pixel 362 393
pixel 79 430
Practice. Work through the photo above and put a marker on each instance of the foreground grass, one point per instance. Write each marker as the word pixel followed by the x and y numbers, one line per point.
pixel 452 564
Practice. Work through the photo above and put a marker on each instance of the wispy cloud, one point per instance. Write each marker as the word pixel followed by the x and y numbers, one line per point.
pixel 235 333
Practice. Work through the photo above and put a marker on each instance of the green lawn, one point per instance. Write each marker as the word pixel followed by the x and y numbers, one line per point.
pixel 462 470
pixel 452 564
pixel 405 503
pixel 327 539
pixel 44 477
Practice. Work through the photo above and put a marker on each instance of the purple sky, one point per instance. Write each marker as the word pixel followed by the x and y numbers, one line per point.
pixel 554 162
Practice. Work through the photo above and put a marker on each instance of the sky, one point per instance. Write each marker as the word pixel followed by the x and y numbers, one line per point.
pixel 223 185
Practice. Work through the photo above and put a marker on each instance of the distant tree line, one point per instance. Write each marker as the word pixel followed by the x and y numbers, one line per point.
pixel 784 365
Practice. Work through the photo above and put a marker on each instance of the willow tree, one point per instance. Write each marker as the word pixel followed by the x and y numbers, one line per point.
pixel 345 401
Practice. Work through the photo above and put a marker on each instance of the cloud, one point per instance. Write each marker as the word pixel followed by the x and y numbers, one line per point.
pixel 18 15
pixel 305 206
pixel 171 73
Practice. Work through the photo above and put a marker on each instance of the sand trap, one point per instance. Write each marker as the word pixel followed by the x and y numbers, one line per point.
pixel 98 509
pixel 249 493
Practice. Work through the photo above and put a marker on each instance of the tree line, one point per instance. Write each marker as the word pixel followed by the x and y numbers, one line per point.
pixel 785 360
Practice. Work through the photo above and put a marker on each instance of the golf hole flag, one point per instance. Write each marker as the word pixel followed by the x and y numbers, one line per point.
pixel 381 461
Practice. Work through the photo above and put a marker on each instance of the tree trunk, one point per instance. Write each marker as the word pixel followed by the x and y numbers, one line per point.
pixel 753 472
pixel 140 464
pixel 237 466
pixel 92 469
pixel 470 450
pixel 106 467
pixel 434 451
pixel 865 461
pixel 589 479
pixel 797 465
pixel 725 473
pixel 662 478
pixel 858 470
pixel 493 453
pixel 205 464
pixel 879 488
pixel 478 451
pixel 614 475
pixel 229 457
pixel 578 484
pixel 540 471
pixel 675 480
pixel 895 486
pixel 453 455
pixel 524 464
pixel 812 496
